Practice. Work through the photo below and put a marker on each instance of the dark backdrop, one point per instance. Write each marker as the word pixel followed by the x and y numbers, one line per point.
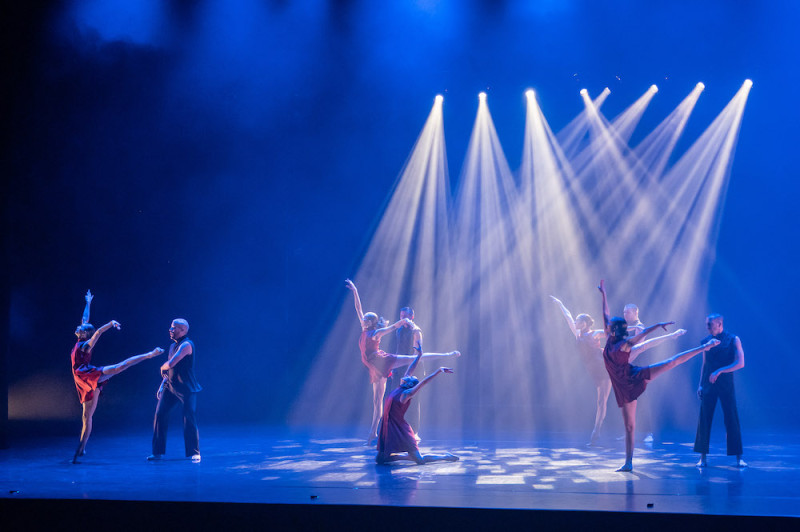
pixel 226 161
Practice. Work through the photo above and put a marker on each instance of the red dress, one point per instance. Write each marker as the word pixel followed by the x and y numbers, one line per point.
pixel 378 363
pixel 628 381
pixel 85 375
pixel 396 434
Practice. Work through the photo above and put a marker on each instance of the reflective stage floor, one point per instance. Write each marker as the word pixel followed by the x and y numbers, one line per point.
pixel 274 467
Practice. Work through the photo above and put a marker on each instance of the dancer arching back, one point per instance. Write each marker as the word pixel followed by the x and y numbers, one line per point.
pixel 378 363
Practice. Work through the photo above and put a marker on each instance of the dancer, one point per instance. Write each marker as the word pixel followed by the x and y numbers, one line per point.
pixel 716 382
pixel 631 314
pixel 591 353
pixel 406 337
pixel 378 363
pixel 89 379
pixel 179 385
pixel 643 410
pixel 630 381
pixel 396 434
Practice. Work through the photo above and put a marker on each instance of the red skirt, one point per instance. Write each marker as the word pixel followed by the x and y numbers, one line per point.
pixel 87 381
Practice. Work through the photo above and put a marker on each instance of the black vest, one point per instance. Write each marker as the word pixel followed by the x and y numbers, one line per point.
pixel 181 377
pixel 405 341
pixel 718 357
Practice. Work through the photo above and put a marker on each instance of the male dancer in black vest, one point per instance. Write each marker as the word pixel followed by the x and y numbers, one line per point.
pixel 179 386
pixel 716 382
pixel 408 341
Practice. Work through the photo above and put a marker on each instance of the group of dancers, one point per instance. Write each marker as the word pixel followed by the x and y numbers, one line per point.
pixel 610 368
pixel 178 384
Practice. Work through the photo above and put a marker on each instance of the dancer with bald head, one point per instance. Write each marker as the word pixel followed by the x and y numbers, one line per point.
pixel 179 385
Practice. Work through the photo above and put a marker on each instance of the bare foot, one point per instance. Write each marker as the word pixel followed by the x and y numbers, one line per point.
pixel 455 353
pixel 450 458
pixel 626 468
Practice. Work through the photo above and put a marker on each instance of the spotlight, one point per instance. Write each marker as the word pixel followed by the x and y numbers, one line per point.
pixel 748 83
pixel 529 93
pixel 584 92
pixel 654 88
pixel 700 85
pixel 482 96
pixel 439 98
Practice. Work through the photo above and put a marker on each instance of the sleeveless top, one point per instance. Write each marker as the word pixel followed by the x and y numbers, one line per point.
pixel 718 357
pixel 181 378
pixel 405 341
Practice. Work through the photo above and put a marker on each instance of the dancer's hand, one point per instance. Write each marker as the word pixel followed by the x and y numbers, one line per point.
pixel 446 370
pixel 602 286
pixel 349 285
pixel 700 392
pixel 89 296
pixel 713 377
pixel 115 324
pixel 711 343
pixel 663 324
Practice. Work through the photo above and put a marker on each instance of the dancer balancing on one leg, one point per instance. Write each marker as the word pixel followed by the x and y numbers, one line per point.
pixel 630 381
pixel 378 363
pixel 89 379
pixel 590 349
pixel 397 440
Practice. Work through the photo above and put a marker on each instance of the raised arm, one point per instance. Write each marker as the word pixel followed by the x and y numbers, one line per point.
pixel 99 332
pixel 738 362
pixel 567 316
pixel 184 350
pixel 418 348
pixel 606 312
pixel 88 297
pixel 352 287
pixel 408 394
pixel 393 327
pixel 638 349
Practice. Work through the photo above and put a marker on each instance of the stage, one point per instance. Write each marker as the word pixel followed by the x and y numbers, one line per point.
pixel 298 478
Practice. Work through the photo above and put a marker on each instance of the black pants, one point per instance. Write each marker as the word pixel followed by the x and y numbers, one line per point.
pixel 727 397
pixel 191 437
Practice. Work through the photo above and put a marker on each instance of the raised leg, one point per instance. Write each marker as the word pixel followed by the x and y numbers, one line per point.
pixel 86 424
pixel 629 418
pixel 110 371
pixel 672 362
pixel 405 360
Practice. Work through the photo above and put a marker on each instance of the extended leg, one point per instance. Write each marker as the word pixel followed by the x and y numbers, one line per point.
pixel 110 371
pixel 86 420
pixel 672 362
pixel 629 418
pixel 405 360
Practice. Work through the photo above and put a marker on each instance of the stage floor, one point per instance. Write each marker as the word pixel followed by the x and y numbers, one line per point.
pixel 256 465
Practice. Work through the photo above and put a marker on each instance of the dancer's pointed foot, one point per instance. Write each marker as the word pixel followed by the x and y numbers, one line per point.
pixel 155 352
pixel 701 463
pixel 627 467
pixel 448 457
pixel 741 463
pixel 455 353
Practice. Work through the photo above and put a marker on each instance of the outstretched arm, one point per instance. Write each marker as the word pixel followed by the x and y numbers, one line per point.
pixel 738 363
pixel 88 298
pixel 352 287
pixel 99 332
pixel 635 340
pixel 408 394
pixel 606 312
pixel 567 316
pixel 393 327
pixel 638 349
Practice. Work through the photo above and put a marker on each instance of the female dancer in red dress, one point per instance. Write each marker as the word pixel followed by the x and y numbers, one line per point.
pixel 378 363
pixel 396 434
pixel 88 378
pixel 630 381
